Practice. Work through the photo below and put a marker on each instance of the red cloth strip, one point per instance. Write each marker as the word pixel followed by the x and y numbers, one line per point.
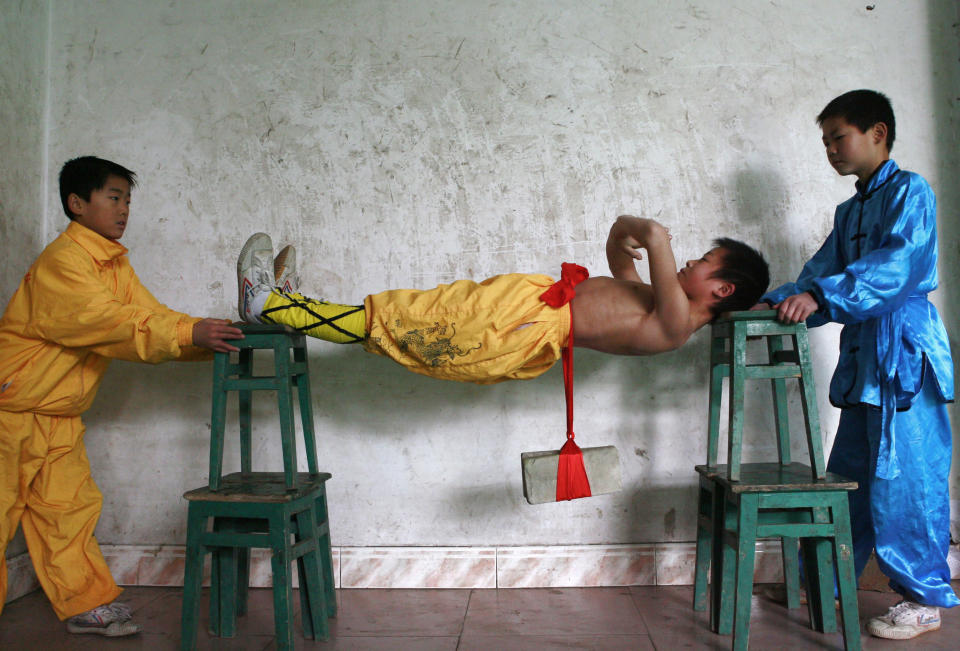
pixel 572 481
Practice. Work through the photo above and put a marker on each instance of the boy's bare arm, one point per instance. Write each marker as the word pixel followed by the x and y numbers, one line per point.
pixel 622 249
pixel 671 305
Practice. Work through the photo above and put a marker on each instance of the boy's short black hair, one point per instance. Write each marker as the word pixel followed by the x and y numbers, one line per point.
pixel 744 267
pixel 83 175
pixel 862 109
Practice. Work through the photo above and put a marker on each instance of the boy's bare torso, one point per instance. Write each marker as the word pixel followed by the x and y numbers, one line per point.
pixel 616 316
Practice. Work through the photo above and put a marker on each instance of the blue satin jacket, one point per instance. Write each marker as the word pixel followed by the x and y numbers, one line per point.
pixel 872 275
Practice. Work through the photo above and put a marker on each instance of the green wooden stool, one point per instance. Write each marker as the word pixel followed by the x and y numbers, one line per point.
pixel 290 374
pixel 775 500
pixel 256 510
pixel 728 358
pixel 708 496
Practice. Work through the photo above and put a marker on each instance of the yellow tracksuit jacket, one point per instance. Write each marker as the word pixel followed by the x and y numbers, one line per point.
pixel 79 306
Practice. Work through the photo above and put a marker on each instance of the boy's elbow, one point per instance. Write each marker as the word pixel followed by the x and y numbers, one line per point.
pixel 677 339
pixel 674 335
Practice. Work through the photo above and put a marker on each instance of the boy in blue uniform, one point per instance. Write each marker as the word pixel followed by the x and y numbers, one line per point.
pixel 895 375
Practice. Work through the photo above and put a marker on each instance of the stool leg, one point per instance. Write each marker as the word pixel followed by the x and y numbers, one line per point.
pixel 811 414
pixel 746 552
pixel 213 626
pixel 243 580
pixel 818 563
pixel 780 411
pixel 225 560
pixel 722 566
pixel 827 575
pixel 718 369
pixel 791 570
pixel 223 615
pixel 245 399
pixel 313 607
pixel 326 552
pixel 846 572
pixel 280 532
pixel 738 364
pixel 192 581
pixel 218 417
pixel 281 355
pixel 305 402
pixel 704 543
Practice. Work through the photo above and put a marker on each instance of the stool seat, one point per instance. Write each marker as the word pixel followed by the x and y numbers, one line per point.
pixel 290 376
pixel 775 478
pixel 258 487
pixel 256 510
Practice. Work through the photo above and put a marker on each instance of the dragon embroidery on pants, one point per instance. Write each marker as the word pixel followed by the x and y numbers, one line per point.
pixel 430 344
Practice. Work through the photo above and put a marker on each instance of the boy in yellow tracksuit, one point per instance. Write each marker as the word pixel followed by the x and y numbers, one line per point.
pixel 79 306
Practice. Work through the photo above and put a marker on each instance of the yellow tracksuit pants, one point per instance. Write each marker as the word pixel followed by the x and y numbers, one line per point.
pixel 485 332
pixel 45 486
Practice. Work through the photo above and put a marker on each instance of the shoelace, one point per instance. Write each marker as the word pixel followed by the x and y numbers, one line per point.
pixel 121 611
pixel 900 608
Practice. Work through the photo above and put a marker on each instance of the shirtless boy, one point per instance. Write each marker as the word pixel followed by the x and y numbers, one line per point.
pixel 514 326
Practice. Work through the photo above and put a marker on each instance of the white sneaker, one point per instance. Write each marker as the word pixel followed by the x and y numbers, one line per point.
pixel 904 621
pixel 111 620
pixel 254 276
pixel 285 270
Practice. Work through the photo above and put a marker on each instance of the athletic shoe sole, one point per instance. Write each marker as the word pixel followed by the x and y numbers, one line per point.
pixel 285 269
pixel 256 245
pixel 881 629
pixel 113 629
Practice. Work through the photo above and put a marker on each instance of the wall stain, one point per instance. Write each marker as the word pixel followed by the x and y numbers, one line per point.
pixel 670 523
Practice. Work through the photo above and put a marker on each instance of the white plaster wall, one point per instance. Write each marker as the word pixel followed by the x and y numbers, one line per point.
pixel 23 82
pixel 23 40
pixel 404 144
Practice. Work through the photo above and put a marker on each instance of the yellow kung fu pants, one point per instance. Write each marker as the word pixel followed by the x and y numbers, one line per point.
pixel 45 485
pixel 485 332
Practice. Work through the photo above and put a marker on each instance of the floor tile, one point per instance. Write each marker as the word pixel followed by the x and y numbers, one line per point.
pixel 410 612
pixel 29 623
pixel 379 643
pixel 609 619
pixel 550 642
pixel 553 611
pixel 668 614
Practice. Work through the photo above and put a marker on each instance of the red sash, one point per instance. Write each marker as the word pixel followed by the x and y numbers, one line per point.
pixel 572 479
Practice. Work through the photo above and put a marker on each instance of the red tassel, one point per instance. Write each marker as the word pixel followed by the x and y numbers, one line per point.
pixel 572 482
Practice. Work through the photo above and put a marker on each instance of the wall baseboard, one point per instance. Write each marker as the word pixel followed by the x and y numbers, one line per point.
pixel 451 567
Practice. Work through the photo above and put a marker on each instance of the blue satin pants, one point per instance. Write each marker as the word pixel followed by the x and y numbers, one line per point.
pixel 907 519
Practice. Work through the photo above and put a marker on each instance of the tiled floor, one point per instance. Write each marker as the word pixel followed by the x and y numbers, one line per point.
pixel 635 618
